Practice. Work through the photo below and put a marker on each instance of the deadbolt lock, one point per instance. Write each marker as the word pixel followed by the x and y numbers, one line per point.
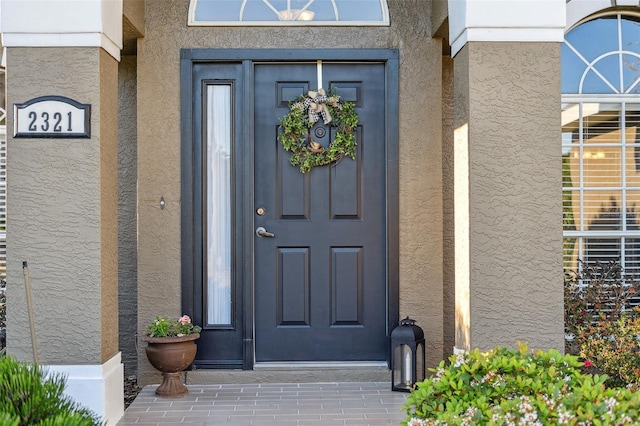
pixel 261 211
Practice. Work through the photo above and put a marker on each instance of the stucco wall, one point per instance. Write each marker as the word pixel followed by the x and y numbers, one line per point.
pixel 108 220
pixel 439 18
pixel 420 171
pixel 127 219
pixel 419 146
pixel 133 12
pixel 448 222
pixel 61 212
pixel 509 98
pixel 460 193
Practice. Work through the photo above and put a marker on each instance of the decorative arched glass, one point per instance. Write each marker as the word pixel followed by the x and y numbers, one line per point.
pixel 288 12
pixel 602 56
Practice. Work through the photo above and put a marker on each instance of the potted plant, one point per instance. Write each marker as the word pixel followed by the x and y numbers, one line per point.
pixel 171 348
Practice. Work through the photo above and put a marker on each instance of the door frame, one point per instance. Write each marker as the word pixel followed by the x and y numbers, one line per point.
pixel 192 263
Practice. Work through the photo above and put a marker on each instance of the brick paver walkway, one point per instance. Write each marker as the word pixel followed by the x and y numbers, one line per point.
pixel 271 404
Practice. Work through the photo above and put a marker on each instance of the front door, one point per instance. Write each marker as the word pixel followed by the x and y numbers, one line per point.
pixel 324 286
pixel 320 281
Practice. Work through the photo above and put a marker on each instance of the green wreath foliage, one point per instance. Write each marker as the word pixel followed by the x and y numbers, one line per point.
pixel 295 136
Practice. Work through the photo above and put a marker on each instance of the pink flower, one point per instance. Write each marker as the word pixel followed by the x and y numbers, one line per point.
pixel 184 320
pixel 588 364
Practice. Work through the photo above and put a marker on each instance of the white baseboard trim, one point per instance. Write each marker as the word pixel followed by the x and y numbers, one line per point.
pixel 99 388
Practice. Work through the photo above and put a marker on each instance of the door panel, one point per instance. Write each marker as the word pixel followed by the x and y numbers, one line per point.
pixel 320 283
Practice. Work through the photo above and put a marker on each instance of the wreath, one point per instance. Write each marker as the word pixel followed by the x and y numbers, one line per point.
pixel 304 112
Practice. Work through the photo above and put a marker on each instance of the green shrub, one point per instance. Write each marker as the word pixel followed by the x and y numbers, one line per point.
pixel 29 395
pixel 596 293
pixel 8 420
pixel 612 347
pixel 503 386
pixel 600 324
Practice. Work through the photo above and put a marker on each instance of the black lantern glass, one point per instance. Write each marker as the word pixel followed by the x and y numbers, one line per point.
pixel 407 356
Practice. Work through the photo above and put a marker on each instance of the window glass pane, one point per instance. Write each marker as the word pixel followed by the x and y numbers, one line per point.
pixel 570 210
pixel 603 250
pixel 630 41
pixel 571 168
pixel 594 38
pixel 570 254
pixel 630 29
pixel 631 74
pixel 633 210
pixel 217 10
pixel 601 166
pixel 570 123
pixel 608 68
pixel 601 123
pixel 632 139
pixel 591 249
pixel 218 205
pixel 597 83
pixel 322 11
pixel 572 69
pixel 601 210
pixel 632 257
pixel 257 10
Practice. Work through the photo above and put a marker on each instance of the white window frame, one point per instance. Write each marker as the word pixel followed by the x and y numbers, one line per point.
pixel 579 187
pixel 623 99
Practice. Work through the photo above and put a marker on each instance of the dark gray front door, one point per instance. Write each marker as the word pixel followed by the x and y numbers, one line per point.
pixel 320 284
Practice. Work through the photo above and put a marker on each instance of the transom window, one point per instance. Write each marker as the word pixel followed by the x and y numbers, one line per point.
pixel 288 12
pixel 602 56
pixel 601 142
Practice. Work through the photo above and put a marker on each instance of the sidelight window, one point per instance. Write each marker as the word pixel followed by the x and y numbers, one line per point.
pixel 218 196
pixel 288 12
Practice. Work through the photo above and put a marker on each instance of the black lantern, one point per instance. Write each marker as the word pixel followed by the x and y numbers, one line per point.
pixel 407 356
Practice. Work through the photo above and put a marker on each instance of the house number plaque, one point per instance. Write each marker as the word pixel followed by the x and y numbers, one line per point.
pixel 52 117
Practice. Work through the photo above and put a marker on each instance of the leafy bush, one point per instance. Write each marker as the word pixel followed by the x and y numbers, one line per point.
pixel 596 293
pixel 600 324
pixel 8 420
pixel 613 348
pixel 30 395
pixel 503 387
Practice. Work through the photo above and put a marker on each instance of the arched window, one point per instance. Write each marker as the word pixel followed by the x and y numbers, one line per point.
pixel 288 12
pixel 601 141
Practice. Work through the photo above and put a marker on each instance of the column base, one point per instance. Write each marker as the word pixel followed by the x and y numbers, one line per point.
pixel 100 388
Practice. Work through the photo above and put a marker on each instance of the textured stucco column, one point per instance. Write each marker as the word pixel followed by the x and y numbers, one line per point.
pixel 62 220
pixel 62 202
pixel 508 235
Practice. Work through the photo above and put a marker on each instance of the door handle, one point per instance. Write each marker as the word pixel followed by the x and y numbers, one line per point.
pixel 261 232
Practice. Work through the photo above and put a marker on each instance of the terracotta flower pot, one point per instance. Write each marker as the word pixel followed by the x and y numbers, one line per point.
pixel 171 356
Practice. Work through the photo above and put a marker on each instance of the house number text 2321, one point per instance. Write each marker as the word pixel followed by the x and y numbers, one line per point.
pixel 52 117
